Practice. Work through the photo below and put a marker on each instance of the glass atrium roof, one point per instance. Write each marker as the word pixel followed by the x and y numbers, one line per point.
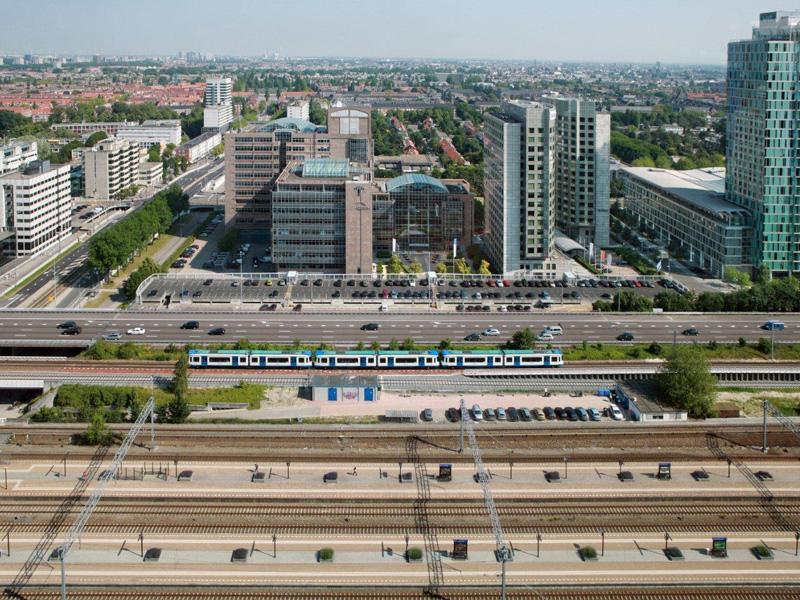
pixel 414 180
pixel 325 167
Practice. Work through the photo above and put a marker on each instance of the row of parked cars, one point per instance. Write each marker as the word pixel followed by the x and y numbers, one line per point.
pixel 514 414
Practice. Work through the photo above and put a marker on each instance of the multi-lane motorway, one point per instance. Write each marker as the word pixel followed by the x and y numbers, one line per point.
pixel 72 270
pixel 18 327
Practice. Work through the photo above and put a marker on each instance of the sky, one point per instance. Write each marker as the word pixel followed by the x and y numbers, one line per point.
pixel 672 31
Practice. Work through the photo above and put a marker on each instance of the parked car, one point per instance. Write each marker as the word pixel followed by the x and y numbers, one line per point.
pixel 616 413
pixel 594 414
pixel 489 414
pixel 538 414
pixel 477 413
pixel 501 414
pixel 582 413
pixel 549 413
pixel 513 414
pixel 427 415
pixel 525 414
pixel 571 414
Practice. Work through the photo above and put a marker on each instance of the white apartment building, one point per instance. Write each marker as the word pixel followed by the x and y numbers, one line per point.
pixel 110 167
pixel 35 208
pixel 520 187
pixel 152 133
pixel 218 103
pixel 299 109
pixel 86 128
pixel 199 147
pixel 16 154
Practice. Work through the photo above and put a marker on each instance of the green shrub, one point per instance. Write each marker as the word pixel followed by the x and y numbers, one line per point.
pixel 762 550
pixel 326 554
pixel 414 553
pixel 588 552
pixel 764 346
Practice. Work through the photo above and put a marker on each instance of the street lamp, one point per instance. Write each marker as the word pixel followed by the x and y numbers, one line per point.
pixel 566 460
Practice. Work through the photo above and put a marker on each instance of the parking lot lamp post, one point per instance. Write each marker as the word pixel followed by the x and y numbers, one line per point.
pixel 241 286
pixel 667 538
pixel 620 466
pixel 602 542
pixel 729 468
pixel 287 469
pixel 566 460
pixel 538 543
pixel 796 541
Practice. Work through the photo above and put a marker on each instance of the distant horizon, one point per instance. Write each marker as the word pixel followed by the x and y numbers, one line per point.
pixel 683 32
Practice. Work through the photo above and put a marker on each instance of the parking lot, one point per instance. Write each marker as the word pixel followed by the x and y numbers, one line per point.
pixel 471 293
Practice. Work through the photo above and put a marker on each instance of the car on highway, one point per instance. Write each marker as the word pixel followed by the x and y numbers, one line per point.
pixel 773 326
pixel 71 331
pixel 370 327
pixel 114 336
pixel 217 331
pixel 137 331
pixel 427 415
pixel 473 337
pixel 690 331
pixel 545 336
pixel 67 325
pixel 625 337
pixel 191 325
pixel 554 329
pixel 491 331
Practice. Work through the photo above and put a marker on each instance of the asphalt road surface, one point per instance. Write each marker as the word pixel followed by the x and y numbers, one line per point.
pixel 71 268
pixel 345 328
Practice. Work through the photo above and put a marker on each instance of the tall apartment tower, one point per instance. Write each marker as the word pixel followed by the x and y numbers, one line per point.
pixel 110 166
pixel 582 171
pixel 218 111
pixel 520 187
pixel 763 145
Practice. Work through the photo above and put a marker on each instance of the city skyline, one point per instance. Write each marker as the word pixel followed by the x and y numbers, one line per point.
pixel 673 34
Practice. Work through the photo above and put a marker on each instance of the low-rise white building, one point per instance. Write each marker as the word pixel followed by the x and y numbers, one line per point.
pixel 299 109
pixel 199 147
pixel 16 154
pixel 150 173
pixel 152 133
pixel 86 128
pixel 35 208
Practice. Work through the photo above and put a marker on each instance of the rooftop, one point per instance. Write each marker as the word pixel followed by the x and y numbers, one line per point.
pixel 704 189
pixel 326 167
pixel 414 181
pixel 291 123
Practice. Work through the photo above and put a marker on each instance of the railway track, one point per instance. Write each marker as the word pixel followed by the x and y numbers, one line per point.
pixel 310 517
pixel 716 592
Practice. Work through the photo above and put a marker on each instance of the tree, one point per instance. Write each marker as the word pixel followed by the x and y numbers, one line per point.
pixel 441 268
pixel 736 277
pixel 145 270
pixel 484 268
pixel 415 267
pixel 395 265
pixel 762 275
pixel 462 267
pixel 154 154
pixel 97 136
pixel 98 432
pixel 409 345
pixel 524 339
pixel 686 382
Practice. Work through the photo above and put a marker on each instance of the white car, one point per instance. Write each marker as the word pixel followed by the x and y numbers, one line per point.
pixel 136 331
pixel 545 337
pixel 477 413
pixel 491 331
pixel 616 413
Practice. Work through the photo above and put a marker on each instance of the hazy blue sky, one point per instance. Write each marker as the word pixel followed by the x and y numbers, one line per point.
pixel 602 30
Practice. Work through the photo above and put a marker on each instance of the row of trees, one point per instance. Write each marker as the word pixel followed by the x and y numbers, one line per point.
pixel 116 246
pixel 145 270
pixel 781 295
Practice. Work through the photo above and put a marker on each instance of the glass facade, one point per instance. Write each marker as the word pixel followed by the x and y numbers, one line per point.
pixel 763 144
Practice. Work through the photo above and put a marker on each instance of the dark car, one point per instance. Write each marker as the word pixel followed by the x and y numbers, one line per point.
pixel 427 415
pixel 691 331
pixel 191 325
pixel 67 325
pixel 370 327
pixel 572 415
pixel 549 413
pixel 512 413
pixel 453 415
pixel 625 337
pixel 473 337
pixel 208 282
pixel 71 331
pixel 560 413
pixel 217 331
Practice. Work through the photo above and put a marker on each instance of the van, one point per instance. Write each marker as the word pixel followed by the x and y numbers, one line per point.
pixel 774 326
pixel 554 329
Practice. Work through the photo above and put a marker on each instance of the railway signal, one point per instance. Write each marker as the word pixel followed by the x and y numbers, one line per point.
pixel 667 540
pixel 538 543
pixel 566 460
pixel 274 545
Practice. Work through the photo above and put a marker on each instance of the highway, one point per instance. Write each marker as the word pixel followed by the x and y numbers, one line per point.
pixel 71 267
pixel 344 328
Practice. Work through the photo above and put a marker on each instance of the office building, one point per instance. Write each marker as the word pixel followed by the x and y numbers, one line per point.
pixel 763 145
pixel 16 154
pixel 582 171
pixel 255 157
pixel 520 187
pixel 415 213
pixel 687 212
pixel 152 133
pixel 299 109
pixel 35 208
pixel 199 147
pixel 218 104
pixel 322 217
pixel 110 166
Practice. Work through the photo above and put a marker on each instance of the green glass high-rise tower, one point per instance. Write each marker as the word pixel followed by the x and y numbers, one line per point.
pixel 763 145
